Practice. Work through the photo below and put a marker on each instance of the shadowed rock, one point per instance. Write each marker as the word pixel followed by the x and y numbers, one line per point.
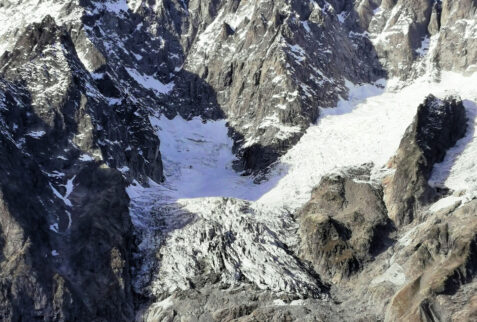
pixel 438 125
pixel 343 224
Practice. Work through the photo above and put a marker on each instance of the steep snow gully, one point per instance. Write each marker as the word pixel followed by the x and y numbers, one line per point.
pixel 365 127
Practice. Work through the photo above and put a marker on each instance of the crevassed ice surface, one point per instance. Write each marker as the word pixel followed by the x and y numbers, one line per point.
pixel 367 127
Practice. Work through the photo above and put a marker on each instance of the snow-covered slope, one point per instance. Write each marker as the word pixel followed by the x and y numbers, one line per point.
pixel 243 238
pixel 367 127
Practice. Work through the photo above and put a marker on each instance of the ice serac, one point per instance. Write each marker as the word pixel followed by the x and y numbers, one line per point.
pixel 438 125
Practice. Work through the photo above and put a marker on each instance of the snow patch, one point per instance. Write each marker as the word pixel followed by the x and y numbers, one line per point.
pixel 150 82
pixel 86 158
pixel 458 170
pixel 199 153
pixel 36 134
pixel 424 49
pixel 444 203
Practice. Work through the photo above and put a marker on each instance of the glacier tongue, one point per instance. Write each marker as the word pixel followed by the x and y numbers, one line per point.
pixel 208 222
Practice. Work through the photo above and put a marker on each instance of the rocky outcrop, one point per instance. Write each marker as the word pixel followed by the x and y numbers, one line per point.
pixel 437 127
pixel 344 224
pixel 62 259
pixel 405 33
pixel 73 108
pixel 65 224
pixel 444 259
pixel 456 48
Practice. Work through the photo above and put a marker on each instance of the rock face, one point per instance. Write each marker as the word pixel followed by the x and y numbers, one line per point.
pixel 66 231
pixel 437 127
pixel 444 260
pixel 347 236
pixel 344 224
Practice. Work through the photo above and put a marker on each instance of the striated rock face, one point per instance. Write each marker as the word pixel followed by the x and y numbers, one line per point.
pixel 436 128
pixel 344 224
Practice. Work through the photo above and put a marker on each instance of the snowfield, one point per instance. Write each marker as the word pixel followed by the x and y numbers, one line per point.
pixel 365 127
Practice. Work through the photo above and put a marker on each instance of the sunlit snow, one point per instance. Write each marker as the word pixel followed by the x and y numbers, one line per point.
pixel 367 127
pixel 197 155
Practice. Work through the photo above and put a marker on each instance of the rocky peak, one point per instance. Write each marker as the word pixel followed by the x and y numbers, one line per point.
pixel 438 125
pixel 344 224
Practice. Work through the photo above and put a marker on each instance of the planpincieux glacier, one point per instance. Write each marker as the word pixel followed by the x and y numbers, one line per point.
pixel 238 160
